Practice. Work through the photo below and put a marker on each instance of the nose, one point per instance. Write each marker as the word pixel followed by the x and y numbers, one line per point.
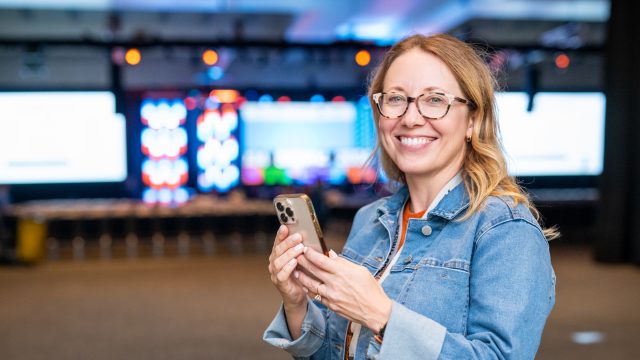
pixel 412 116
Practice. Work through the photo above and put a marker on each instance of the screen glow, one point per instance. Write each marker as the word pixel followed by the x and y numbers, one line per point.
pixel 61 137
pixel 562 136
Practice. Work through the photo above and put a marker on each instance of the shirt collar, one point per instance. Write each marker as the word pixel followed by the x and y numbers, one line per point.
pixel 449 202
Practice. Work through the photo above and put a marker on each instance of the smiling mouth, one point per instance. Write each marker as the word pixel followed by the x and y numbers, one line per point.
pixel 415 141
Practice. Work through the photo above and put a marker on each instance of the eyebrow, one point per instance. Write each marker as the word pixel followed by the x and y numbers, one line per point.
pixel 427 89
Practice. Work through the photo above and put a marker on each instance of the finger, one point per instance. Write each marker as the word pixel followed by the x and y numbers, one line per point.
pixel 309 283
pixel 313 270
pixel 284 259
pixel 286 271
pixel 282 234
pixel 287 243
pixel 320 260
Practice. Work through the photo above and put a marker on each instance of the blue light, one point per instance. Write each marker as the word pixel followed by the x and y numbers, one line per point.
pixel 181 195
pixel 211 103
pixel 317 98
pixel 265 98
pixel 150 196
pixel 215 73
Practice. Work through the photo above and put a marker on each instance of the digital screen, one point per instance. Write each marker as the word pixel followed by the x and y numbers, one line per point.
pixel 61 137
pixel 563 135
pixel 303 142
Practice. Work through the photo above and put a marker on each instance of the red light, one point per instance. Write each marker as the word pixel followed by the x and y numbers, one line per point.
pixel 190 103
pixel 338 99
pixel 562 61
pixel 284 98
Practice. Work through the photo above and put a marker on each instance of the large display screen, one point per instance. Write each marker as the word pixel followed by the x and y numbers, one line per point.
pixel 61 137
pixel 302 142
pixel 563 135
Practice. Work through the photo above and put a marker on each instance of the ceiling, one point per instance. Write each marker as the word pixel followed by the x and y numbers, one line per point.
pixel 514 22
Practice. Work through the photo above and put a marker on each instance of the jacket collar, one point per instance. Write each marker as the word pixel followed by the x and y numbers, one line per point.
pixel 452 204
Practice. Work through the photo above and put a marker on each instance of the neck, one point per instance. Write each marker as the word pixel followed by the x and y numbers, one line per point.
pixel 424 188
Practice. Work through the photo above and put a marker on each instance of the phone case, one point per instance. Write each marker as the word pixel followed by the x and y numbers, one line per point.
pixel 295 211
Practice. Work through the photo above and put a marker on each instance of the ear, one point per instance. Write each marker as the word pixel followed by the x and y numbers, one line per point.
pixel 470 127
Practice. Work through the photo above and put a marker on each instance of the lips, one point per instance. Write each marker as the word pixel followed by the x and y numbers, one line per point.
pixel 415 141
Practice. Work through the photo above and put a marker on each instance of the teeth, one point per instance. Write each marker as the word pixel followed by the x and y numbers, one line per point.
pixel 414 141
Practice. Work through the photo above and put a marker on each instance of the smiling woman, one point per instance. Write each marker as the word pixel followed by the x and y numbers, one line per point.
pixel 455 264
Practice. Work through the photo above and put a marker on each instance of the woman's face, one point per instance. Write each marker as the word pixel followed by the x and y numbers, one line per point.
pixel 419 146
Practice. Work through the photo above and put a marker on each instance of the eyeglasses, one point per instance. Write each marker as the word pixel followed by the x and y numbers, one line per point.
pixel 432 105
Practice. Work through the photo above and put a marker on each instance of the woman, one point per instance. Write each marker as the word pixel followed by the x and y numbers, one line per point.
pixel 453 265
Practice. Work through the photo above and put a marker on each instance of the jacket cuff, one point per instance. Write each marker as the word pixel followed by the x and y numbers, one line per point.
pixel 412 334
pixel 311 339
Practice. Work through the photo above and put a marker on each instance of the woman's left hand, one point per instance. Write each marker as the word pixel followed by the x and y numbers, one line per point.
pixel 345 288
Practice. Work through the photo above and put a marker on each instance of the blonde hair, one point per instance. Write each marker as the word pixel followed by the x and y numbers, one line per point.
pixel 484 169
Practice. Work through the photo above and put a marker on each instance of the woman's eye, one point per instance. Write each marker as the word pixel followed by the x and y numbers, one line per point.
pixel 395 99
pixel 435 100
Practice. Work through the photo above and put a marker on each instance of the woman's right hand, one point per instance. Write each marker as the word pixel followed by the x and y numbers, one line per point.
pixel 282 263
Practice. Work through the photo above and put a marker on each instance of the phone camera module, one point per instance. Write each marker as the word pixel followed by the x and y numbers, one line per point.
pixel 279 206
pixel 284 218
pixel 289 212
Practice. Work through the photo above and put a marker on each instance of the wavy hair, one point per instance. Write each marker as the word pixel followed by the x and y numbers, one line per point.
pixel 484 169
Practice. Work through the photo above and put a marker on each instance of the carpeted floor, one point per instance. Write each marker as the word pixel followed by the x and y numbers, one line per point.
pixel 217 308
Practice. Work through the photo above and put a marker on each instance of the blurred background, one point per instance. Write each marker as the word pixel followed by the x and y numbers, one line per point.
pixel 141 143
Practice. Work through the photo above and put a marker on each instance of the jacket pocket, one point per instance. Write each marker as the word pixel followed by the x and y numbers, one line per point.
pixel 440 291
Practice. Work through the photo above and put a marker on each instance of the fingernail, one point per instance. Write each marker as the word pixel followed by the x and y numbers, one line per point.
pixel 305 289
pixel 299 247
pixel 332 254
pixel 296 236
pixel 305 250
pixel 292 262
pixel 281 229
pixel 296 274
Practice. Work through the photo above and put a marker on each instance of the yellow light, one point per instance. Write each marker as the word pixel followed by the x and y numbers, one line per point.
pixel 363 57
pixel 210 57
pixel 133 57
pixel 224 95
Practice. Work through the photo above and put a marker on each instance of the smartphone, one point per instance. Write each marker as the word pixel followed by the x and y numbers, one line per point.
pixel 295 211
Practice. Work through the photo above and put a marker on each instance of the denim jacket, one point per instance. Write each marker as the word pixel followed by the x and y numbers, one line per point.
pixel 481 288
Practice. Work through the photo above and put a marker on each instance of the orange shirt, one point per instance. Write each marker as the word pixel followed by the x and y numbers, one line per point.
pixel 406 215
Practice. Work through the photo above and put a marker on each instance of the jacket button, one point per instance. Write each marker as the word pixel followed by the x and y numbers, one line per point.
pixel 426 230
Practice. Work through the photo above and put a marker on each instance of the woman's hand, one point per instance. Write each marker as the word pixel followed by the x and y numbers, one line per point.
pixel 282 263
pixel 346 288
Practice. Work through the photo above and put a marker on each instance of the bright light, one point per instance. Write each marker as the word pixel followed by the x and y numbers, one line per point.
pixel 133 56
pixel 210 57
pixel 588 337
pixel 225 96
pixel 317 98
pixel 562 61
pixel 215 73
pixel 363 58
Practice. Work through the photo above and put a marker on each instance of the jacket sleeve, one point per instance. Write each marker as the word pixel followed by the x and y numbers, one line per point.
pixel 512 291
pixel 311 343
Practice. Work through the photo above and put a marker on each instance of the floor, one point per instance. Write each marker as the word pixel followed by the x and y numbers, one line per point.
pixel 216 307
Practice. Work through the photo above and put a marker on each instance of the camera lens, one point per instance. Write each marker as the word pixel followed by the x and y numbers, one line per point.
pixel 284 217
pixel 289 212
pixel 279 206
